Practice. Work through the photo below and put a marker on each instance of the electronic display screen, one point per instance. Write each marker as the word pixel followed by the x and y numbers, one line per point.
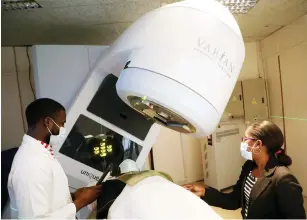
pixel 97 146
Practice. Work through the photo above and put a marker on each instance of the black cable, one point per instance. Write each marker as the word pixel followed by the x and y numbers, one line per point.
pixel 29 61
pixel 19 90
pixel 152 164
pixel 104 175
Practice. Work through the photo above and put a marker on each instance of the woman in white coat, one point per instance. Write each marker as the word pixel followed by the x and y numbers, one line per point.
pixel 37 184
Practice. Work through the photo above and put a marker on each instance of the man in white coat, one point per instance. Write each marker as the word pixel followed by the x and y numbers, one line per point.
pixel 37 184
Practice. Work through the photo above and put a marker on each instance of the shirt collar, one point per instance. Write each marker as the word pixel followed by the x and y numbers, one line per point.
pixel 37 145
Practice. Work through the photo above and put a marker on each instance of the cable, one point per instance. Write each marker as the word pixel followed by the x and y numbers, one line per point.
pixel 30 70
pixel 282 103
pixel 19 90
pixel 184 160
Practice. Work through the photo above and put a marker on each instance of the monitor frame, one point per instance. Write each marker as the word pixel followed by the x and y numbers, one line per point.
pixel 79 174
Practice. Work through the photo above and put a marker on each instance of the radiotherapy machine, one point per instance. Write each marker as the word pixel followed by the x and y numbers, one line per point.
pixel 175 66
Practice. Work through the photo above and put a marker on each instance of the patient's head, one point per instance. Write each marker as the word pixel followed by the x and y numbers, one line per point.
pixel 127 166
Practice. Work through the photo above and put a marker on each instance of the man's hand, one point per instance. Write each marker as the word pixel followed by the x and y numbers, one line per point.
pixel 86 195
pixel 196 189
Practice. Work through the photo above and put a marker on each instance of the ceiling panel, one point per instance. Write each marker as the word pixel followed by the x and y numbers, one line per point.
pixel 29 18
pixel 285 16
pixel 12 35
pixel 69 3
pixel 95 34
pixel 82 15
pixel 253 26
pixel 128 11
pixel 121 27
pixel 101 21
pixel 266 31
pixel 269 6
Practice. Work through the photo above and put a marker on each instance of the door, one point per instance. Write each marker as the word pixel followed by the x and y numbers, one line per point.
pixel 235 104
pixel 255 103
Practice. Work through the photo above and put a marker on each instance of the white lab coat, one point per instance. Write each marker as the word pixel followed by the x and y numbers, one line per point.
pixel 158 198
pixel 37 184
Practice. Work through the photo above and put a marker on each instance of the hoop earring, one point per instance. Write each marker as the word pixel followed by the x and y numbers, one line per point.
pixel 253 150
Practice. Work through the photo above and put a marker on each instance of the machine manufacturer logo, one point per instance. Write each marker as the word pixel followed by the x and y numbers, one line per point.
pixel 215 54
pixel 89 175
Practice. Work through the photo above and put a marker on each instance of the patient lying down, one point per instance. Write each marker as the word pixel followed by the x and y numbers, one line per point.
pixel 149 195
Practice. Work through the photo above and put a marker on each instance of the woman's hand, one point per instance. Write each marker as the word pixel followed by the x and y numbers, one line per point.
pixel 196 189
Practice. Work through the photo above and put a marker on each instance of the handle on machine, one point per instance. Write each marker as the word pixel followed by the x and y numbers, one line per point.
pixel 104 175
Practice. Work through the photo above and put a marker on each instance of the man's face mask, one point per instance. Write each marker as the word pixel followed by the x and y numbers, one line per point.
pixel 56 139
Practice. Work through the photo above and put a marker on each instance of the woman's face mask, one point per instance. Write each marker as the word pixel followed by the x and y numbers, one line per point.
pixel 248 155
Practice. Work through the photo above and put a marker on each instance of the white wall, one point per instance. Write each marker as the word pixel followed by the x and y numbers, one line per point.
pixel 13 106
pixel 252 66
pixel 71 64
pixel 16 94
pixel 185 152
pixel 290 44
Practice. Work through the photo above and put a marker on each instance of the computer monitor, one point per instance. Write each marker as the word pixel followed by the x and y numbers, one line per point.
pixel 99 125
pixel 97 146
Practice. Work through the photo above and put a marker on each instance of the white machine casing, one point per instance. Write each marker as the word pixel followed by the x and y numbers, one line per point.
pixel 185 57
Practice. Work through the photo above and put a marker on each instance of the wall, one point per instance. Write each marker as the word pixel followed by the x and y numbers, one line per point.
pixel 168 155
pixel 16 94
pixel 73 64
pixel 252 66
pixel 11 107
pixel 287 89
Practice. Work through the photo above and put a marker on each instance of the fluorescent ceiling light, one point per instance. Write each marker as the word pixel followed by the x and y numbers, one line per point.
pixel 238 6
pixel 11 5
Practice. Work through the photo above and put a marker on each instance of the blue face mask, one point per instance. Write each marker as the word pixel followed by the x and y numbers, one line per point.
pixel 248 155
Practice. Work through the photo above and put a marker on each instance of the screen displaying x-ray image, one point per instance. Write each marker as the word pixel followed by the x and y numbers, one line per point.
pixel 98 146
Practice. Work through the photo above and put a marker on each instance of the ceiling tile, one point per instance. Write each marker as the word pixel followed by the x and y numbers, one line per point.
pixel 130 11
pixel 89 14
pixel 267 6
pixel 107 33
pixel 121 27
pixel 86 35
pixel 287 16
pixel 24 35
pixel 29 17
pixel 284 5
pixel 166 2
pixel 68 3
pixel 260 8
pixel 265 31
pixel 252 39
pixel 101 21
